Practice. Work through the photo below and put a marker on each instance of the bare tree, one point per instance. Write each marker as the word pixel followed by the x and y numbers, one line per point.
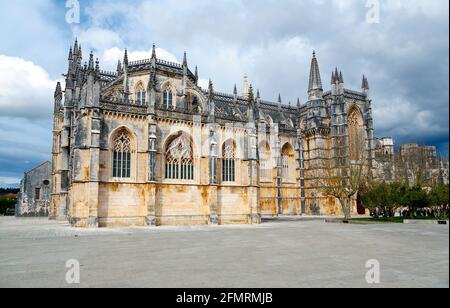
pixel 343 178
pixel 413 166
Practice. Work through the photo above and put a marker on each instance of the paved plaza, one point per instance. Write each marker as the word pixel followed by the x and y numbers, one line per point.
pixel 284 253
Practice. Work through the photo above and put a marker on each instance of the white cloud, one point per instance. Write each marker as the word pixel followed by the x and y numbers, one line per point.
pixel 96 39
pixel 26 90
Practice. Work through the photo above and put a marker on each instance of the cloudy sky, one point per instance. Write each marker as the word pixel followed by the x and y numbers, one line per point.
pixel 405 56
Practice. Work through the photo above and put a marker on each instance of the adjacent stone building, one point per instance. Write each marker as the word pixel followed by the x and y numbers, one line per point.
pixel 33 199
pixel 146 145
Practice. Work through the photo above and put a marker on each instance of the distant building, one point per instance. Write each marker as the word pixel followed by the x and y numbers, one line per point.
pixel 411 163
pixel 33 199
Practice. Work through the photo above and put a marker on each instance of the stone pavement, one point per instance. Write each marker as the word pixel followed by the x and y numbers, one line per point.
pixel 286 253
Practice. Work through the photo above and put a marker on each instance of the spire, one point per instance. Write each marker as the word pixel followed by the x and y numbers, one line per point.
pixel 75 46
pixel 258 96
pixel 58 92
pixel 365 83
pixel 91 61
pixel 125 58
pixel 70 54
pixel 235 90
pixel 299 104
pixel 315 89
pixel 97 66
pixel 251 98
pixel 119 67
pixel 196 74
pixel 80 53
pixel 154 52
pixel 210 88
pixel 185 59
pixel 279 102
pixel 341 77
pixel 333 78
pixel 245 87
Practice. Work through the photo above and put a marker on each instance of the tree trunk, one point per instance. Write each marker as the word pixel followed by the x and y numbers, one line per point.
pixel 348 209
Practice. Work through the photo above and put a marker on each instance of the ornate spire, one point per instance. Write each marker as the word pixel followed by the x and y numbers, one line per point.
pixel 97 66
pixel 70 54
pixel 119 68
pixel 80 53
pixel 75 46
pixel 299 104
pixel 196 74
pixel 91 61
pixel 235 90
pixel 251 97
pixel 185 59
pixel 365 83
pixel 58 92
pixel 279 102
pixel 333 78
pixel 245 87
pixel 154 52
pixel 258 96
pixel 125 58
pixel 341 77
pixel 315 89
pixel 211 89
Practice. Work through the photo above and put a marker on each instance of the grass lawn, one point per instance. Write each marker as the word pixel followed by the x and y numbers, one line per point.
pixel 398 220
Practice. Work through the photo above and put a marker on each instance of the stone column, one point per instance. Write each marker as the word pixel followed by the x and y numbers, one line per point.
pixel 213 180
pixel 94 169
pixel 301 155
pixel 151 177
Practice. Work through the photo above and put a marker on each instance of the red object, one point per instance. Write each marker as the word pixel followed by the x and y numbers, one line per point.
pixel 360 208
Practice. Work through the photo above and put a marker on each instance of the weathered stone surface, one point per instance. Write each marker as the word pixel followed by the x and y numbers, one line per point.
pixel 35 189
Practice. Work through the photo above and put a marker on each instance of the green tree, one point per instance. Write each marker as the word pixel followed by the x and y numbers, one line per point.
pixel 439 202
pixel 415 198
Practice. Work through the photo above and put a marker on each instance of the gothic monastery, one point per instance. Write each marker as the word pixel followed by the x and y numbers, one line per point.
pixel 146 145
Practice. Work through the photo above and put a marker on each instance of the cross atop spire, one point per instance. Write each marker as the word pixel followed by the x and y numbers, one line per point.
pixel 315 89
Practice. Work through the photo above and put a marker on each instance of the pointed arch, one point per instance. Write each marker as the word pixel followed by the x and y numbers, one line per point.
pixel 122 152
pixel 288 162
pixel 140 93
pixel 168 95
pixel 229 161
pixel 356 134
pixel 179 159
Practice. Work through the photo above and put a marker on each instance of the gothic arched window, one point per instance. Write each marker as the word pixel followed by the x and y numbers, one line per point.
pixel 229 162
pixel 356 140
pixel 179 159
pixel 168 99
pixel 287 162
pixel 122 155
pixel 140 95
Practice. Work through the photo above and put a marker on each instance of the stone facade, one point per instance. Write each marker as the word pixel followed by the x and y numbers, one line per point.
pixel 146 145
pixel 33 199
